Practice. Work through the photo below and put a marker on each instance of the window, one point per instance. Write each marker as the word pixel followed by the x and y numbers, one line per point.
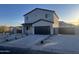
pixel 27 27
pixel 46 15
pixel 27 18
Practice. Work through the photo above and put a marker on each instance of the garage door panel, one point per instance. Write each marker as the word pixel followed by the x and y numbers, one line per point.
pixel 44 30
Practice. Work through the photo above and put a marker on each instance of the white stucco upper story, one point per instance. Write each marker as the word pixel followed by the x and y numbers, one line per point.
pixel 39 13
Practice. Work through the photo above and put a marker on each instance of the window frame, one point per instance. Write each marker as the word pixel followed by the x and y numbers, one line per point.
pixel 46 15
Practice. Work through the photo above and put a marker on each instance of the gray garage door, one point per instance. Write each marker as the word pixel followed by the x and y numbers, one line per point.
pixel 42 30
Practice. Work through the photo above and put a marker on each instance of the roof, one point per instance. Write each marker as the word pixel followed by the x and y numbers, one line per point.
pixel 38 9
pixel 43 10
pixel 27 24
pixel 37 21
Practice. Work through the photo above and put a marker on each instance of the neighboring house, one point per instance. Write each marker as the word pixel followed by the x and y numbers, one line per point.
pixel 17 29
pixel 41 21
pixel 69 27
pixel 75 22
pixel 66 28
pixel 12 30
pixel 77 30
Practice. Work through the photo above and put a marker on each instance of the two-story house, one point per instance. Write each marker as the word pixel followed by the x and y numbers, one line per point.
pixel 41 21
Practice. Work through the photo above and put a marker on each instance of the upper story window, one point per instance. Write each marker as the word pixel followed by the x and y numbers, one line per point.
pixel 27 17
pixel 46 15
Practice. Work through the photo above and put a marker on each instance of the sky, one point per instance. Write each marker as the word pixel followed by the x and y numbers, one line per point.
pixel 12 14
